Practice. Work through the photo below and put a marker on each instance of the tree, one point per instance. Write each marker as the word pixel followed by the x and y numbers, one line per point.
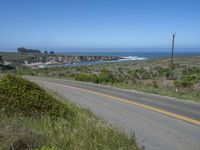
pixel 45 52
pixel 25 50
pixel 1 60
pixel 51 52
pixel 21 50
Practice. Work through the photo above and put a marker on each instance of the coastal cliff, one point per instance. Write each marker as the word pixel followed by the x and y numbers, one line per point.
pixel 58 60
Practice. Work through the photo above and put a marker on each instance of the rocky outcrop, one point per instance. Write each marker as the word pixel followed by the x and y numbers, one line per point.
pixel 52 60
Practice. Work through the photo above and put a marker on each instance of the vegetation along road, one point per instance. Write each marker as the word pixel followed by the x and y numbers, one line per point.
pixel 159 122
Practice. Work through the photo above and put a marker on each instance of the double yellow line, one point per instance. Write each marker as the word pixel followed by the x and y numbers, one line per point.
pixel 193 121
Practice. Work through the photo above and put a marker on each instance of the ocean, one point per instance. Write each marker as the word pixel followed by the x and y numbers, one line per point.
pixel 133 55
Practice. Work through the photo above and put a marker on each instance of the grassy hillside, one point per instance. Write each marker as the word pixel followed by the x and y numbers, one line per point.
pixel 152 76
pixel 15 57
pixel 32 119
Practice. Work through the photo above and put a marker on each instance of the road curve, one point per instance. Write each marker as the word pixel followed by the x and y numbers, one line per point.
pixel 159 122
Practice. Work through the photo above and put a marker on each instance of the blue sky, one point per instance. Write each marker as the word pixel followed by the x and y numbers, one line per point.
pixel 98 24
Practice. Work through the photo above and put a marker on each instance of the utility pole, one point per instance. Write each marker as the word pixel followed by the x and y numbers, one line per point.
pixel 172 56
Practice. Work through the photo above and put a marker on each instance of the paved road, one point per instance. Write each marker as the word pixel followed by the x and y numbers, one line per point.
pixel 160 123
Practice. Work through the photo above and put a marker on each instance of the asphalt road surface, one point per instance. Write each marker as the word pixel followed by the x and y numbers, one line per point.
pixel 159 122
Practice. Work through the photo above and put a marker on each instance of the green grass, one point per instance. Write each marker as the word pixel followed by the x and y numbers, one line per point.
pixel 82 130
pixel 191 94
pixel 15 57
pixel 25 98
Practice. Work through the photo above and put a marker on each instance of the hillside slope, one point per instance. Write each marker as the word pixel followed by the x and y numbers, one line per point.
pixel 32 118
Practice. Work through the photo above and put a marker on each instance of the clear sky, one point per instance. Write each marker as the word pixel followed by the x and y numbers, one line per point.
pixel 98 24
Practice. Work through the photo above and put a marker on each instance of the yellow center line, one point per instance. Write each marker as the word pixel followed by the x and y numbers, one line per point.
pixel 187 119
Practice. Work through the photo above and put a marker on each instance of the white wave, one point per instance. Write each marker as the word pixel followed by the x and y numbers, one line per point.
pixel 134 58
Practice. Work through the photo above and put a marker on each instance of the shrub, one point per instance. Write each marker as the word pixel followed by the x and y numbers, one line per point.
pixel 6 67
pixel 105 76
pixel 165 72
pixel 155 84
pixel 15 137
pixel 182 84
pixel 94 78
pixel 86 77
pixel 141 74
pixel 191 78
pixel 22 97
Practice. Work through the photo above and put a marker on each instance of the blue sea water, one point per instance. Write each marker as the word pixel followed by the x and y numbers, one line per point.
pixel 134 55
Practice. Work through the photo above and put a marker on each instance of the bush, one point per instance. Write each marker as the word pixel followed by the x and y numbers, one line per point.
pixel 86 77
pixel 6 67
pixel 141 74
pixel 105 76
pixel 191 78
pixel 18 138
pixel 22 97
pixel 182 84
pixel 155 84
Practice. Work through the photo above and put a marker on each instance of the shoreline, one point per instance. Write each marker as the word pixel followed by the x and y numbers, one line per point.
pixel 85 62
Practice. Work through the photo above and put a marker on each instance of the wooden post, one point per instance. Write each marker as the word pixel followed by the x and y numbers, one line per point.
pixel 172 55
